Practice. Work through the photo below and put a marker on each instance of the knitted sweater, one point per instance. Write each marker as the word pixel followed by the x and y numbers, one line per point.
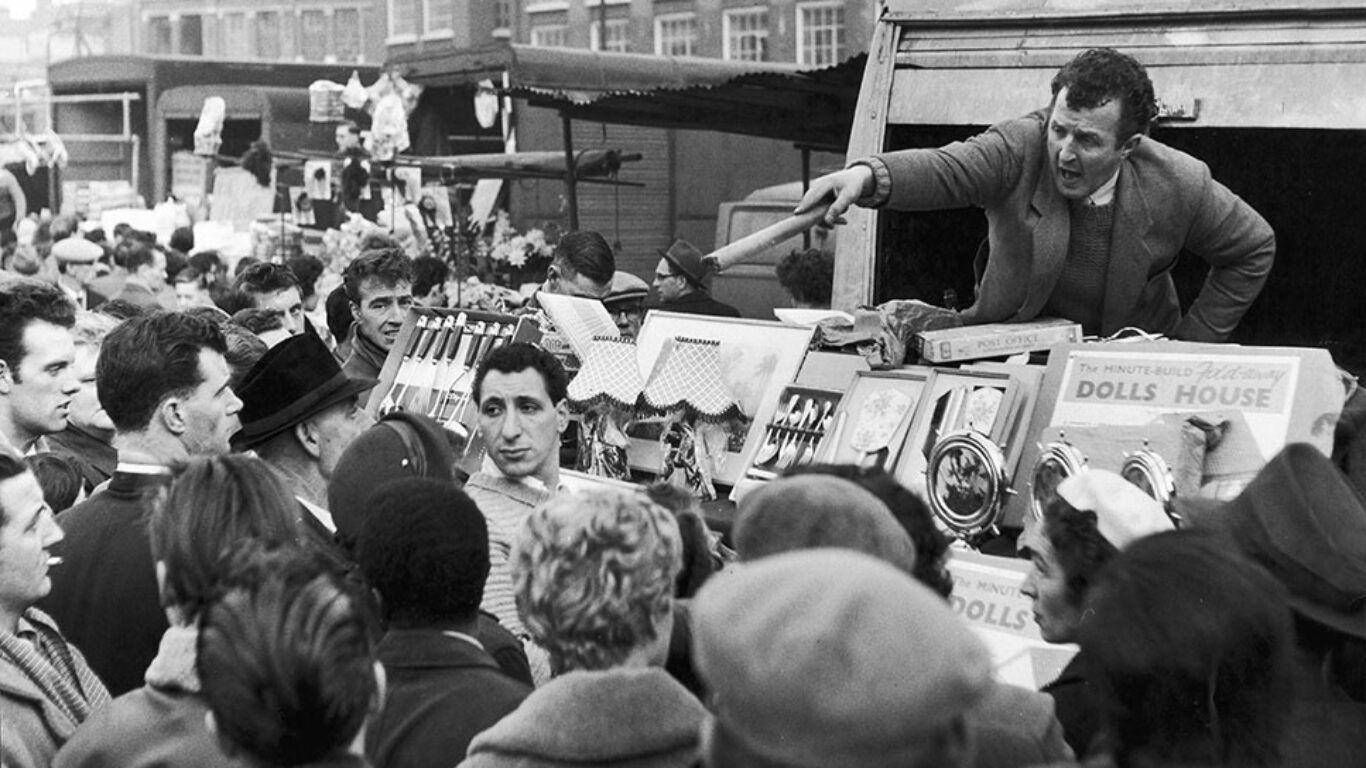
pixel 1080 291
pixel 641 718
pixel 506 505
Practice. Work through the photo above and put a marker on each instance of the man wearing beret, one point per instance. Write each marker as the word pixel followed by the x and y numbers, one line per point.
pixel 299 413
pixel 829 658
pixel 683 283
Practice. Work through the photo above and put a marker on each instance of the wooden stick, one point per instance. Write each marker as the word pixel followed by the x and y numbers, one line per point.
pixel 754 244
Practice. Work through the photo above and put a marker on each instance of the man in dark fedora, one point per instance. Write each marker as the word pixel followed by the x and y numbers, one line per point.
pixel 683 283
pixel 299 412
pixel 1303 520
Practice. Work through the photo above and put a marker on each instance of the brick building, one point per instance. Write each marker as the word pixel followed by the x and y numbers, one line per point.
pixel 809 32
pixel 323 31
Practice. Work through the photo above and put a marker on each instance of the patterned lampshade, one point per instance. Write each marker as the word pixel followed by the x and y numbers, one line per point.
pixel 688 375
pixel 609 374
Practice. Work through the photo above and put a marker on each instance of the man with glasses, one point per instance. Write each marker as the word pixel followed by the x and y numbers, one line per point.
pixel 683 283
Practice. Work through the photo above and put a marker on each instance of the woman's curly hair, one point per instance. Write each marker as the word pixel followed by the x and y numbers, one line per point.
pixel 594 574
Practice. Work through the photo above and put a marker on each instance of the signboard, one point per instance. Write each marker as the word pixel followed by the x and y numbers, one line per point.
pixel 1267 397
pixel 1115 387
pixel 986 594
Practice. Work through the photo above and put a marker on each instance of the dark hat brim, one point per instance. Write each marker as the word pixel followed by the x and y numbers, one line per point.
pixel 700 281
pixel 338 389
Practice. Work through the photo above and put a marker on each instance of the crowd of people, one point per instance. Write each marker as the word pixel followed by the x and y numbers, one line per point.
pixel 212 554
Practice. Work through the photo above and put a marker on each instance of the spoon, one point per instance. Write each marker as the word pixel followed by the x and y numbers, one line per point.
pixel 785 412
pixel 827 415
pixel 768 450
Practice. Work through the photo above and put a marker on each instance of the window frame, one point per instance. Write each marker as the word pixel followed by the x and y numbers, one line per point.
pixel 802 28
pixel 666 18
pixel 398 38
pixel 728 18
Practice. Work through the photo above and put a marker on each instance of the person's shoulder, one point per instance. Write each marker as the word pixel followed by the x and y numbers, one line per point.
pixel 1152 157
pixel 1031 124
pixel 1012 705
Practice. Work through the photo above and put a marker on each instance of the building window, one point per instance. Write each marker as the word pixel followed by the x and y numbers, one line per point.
pixel 502 15
pixel 745 34
pixel 347 40
pixel 236 39
pixel 192 35
pixel 313 35
pixel 676 35
pixel 267 34
pixel 550 36
pixel 820 34
pixel 439 17
pixel 618 36
pixel 403 18
pixel 159 34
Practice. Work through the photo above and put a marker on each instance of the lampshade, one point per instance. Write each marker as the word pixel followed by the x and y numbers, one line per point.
pixel 688 375
pixel 609 374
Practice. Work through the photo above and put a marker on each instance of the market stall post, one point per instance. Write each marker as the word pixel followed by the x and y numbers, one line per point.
pixel 570 179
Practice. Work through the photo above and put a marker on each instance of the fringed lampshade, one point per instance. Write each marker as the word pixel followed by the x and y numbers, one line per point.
pixel 688 375
pixel 609 374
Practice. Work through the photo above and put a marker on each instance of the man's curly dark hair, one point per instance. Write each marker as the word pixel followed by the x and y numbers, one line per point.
pixel 1078 546
pixel 808 275
pixel 1101 75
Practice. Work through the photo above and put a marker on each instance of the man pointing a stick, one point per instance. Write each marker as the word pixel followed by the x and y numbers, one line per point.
pixel 1086 213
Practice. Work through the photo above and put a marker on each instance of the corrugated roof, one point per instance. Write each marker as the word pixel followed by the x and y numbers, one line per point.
pixel 770 99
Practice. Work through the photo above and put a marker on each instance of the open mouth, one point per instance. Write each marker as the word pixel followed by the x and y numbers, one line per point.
pixel 54 560
pixel 1069 176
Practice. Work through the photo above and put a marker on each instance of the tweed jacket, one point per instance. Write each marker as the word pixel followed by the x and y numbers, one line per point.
pixel 623 718
pixel 32 725
pixel 1166 201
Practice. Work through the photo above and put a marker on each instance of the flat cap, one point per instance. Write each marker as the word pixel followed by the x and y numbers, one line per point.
pixel 808 511
pixel 76 250
pixel 1304 521
pixel 829 658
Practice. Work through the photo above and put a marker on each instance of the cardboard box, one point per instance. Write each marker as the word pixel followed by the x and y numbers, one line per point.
pixel 973 342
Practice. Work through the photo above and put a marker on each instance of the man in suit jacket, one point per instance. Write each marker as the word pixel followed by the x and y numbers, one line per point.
pixel 299 413
pixel 163 381
pixel 1086 213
